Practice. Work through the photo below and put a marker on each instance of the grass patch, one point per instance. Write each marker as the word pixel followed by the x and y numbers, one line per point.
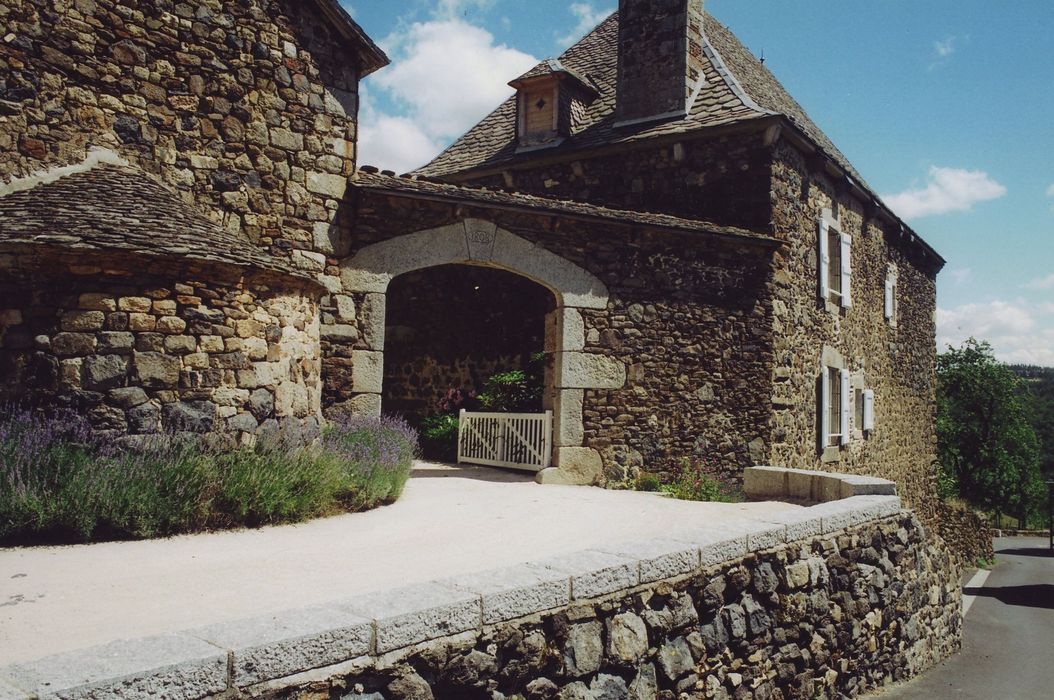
pixel 58 483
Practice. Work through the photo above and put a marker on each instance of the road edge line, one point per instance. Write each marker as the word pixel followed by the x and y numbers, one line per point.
pixel 976 581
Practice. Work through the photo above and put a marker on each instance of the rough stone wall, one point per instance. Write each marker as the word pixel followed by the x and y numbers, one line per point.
pixel 142 347
pixel 898 363
pixel 248 108
pixel 687 317
pixel 725 180
pixel 830 617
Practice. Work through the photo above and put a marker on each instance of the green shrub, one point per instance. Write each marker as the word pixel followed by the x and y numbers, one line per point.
pixel 439 435
pixel 57 483
pixel 694 483
pixel 518 391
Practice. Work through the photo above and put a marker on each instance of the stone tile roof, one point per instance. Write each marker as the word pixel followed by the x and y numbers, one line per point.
pixel 369 179
pixel 739 88
pixel 119 208
pixel 372 58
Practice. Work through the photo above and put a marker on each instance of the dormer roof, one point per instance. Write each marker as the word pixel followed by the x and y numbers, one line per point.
pixel 552 67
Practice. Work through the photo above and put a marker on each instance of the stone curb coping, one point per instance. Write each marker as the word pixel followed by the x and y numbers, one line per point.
pixel 214 659
pixel 778 483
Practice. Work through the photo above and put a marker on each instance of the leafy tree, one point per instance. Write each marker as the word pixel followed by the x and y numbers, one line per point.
pixel 988 449
pixel 1039 388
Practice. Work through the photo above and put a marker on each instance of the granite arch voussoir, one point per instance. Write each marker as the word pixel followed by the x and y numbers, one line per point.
pixel 472 242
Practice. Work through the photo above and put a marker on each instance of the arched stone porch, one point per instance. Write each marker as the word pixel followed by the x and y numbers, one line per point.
pixel 477 242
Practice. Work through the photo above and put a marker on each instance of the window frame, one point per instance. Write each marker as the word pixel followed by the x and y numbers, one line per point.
pixel 834 410
pixel 835 262
pixel 891 303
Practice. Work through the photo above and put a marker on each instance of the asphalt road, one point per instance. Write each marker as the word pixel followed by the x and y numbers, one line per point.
pixel 1008 652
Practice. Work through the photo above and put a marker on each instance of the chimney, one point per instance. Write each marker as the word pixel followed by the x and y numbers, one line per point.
pixel 660 62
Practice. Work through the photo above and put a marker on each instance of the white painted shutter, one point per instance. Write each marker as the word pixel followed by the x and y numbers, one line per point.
pixel 847 270
pixel 889 298
pixel 825 260
pixel 869 410
pixel 825 408
pixel 844 426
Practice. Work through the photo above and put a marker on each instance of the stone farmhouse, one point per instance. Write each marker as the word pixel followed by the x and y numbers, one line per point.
pixel 187 243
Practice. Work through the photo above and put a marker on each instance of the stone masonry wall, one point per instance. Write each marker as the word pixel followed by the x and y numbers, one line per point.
pixel 724 180
pixel 687 317
pixel 897 363
pixel 142 347
pixel 248 108
pixel 828 617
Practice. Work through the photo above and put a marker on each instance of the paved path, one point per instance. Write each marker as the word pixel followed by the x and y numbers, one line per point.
pixel 450 521
pixel 1008 652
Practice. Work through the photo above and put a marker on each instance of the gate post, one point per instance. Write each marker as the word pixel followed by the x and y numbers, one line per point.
pixel 460 427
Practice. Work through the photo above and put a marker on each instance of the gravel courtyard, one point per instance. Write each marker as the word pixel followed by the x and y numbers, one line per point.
pixel 449 521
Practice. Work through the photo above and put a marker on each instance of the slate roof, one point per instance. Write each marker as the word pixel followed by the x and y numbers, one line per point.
pixel 119 208
pixel 370 180
pixel 739 88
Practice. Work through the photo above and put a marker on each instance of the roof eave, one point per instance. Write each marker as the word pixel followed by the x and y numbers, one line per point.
pixel 754 239
pixel 860 190
pixel 371 57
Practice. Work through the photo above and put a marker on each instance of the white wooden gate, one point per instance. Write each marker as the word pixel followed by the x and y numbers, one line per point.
pixel 514 440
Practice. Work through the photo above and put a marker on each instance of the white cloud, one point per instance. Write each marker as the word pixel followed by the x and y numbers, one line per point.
pixel 1010 327
pixel 945 48
pixel 445 76
pixel 1050 193
pixel 960 275
pixel 452 9
pixel 947 190
pixel 588 17
pixel 1040 284
pixel 390 141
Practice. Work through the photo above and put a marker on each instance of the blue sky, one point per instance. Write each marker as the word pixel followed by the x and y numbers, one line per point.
pixel 945 106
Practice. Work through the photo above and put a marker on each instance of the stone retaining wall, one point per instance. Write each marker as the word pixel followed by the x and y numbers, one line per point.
pixel 827 601
pixel 967 534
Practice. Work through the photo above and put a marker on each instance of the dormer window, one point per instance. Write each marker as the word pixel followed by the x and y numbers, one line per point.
pixel 548 98
pixel 539 122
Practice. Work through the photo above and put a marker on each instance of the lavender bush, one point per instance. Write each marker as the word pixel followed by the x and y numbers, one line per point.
pixel 59 483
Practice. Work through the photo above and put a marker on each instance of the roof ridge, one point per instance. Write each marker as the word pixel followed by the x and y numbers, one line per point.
pixel 95 158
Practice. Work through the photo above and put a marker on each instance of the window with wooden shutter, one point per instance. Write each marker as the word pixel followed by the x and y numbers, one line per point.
pixel 824 258
pixel 835 263
pixel 891 296
pixel 869 411
pixel 825 408
pixel 844 407
pixel 846 271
